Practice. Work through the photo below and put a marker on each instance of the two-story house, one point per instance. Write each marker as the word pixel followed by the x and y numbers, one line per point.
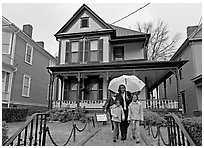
pixel 190 75
pixel 25 79
pixel 92 53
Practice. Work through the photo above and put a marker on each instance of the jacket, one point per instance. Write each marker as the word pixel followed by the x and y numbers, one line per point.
pixel 109 103
pixel 117 113
pixel 135 111
pixel 128 99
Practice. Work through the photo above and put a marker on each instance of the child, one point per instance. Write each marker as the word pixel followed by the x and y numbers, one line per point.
pixel 135 115
pixel 117 115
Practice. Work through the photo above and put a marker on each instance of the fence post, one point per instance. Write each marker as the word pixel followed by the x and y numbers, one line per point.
pixel 159 134
pixel 74 136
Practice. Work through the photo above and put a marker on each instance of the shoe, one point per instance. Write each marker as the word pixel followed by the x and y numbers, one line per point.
pixel 137 141
pixel 112 131
pixel 114 140
pixel 133 137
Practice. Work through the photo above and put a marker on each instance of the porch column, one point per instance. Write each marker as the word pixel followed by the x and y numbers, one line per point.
pixel 180 105
pixel 165 95
pixel 50 91
pixel 78 89
pixel 61 94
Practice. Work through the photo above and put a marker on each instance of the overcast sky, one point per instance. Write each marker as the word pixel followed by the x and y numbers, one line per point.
pixel 48 18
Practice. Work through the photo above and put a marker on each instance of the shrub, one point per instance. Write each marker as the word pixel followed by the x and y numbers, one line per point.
pixel 194 128
pixel 66 114
pixel 153 118
pixel 4 131
pixel 14 114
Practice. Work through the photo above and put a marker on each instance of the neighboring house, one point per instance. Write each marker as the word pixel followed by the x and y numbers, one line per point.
pixel 25 78
pixel 190 75
pixel 92 53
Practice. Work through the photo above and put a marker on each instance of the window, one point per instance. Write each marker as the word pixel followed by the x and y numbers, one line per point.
pixel 118 53
pixel 94 50
pixel 5 81
pixel 29 54
pixel 6 41
pixel 84 22
pixel 26 86
pixel 170 81
pixel 74 52
pixel 180 74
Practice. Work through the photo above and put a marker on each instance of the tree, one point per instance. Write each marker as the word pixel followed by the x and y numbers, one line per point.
pixel 160 46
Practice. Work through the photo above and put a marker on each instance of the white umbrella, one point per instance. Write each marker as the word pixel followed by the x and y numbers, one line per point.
pixel 131 82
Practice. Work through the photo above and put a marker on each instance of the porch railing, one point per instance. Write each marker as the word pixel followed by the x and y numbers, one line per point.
pixel 160 104
pixel 150 104
pixel 72 104
pixel 32 132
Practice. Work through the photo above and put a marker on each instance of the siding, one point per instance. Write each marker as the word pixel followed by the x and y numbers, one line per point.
pixel 37 71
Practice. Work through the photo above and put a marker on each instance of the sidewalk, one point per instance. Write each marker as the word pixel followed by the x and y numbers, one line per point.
pixel 105 138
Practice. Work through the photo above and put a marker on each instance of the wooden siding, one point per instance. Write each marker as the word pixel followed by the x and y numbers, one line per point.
pixel 186 83
pixel 37 71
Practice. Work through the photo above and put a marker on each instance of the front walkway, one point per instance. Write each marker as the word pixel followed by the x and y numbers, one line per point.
pixel 105 138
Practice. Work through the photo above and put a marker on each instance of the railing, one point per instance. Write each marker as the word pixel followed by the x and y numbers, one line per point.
pixel 72 104
pixel 176 135
pixel 32 132
pixel 160 104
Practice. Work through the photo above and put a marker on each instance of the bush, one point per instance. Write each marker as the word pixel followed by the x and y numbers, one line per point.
pixel 14 114
pixel 4 131
pixel 66 114
pixel 153 118
pixel 194 128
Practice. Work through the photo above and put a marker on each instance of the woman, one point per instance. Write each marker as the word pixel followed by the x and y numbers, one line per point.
pixel 125 99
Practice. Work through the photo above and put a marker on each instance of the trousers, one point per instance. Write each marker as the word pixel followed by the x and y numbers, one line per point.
pixel 135 126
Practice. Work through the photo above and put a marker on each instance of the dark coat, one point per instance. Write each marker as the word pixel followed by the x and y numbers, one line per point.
pixel 128 99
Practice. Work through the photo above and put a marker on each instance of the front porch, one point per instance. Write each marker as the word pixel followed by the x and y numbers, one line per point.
pixel 86 85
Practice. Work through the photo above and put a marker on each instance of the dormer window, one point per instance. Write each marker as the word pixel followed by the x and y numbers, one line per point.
pixel 84 22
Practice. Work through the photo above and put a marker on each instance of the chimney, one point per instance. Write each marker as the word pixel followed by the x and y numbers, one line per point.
pixel 28 29
pixel 190 30
pixel 41 43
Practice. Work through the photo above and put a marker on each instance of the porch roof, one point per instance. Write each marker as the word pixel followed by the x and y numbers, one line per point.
pixel 152 73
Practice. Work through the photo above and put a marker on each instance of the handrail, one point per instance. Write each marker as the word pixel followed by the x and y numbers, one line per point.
pixel 178 122
pixel 24 126
pixel 176 133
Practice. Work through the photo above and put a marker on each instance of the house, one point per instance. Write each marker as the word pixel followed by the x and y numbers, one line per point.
pixel 92 53
pixel 190 75
pixel 24 75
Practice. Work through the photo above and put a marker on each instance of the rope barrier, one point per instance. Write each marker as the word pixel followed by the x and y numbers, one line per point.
pixel 153 134
pixel 53 139
pixel 165 143
pixel 82 128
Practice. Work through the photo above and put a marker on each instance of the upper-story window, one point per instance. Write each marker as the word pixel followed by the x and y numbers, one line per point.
pixel 118 53
pixel 6 42
pixel 29 54
pixel 84 22
pixel 74 52
pixel 26 86
pixel 51 63
pixel 94 50
pixel 84 51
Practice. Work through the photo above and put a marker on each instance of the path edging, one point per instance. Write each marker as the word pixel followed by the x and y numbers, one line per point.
pixel 144 137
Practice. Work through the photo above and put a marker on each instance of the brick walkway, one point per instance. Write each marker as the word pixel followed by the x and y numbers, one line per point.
pixel 105 138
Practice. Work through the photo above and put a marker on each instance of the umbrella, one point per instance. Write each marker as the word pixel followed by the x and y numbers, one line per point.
pixel 131 82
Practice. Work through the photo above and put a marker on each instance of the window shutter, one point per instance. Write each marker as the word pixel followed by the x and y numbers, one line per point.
pixel 100 50
pixel 87 49
pixel 67 52
pixel 80 51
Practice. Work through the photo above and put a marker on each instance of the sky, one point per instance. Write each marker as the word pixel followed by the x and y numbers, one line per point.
pixel 48 18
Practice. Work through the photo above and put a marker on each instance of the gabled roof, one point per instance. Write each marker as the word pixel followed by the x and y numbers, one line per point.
pixel 120 31
pixel 78 12
pixel 186 42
